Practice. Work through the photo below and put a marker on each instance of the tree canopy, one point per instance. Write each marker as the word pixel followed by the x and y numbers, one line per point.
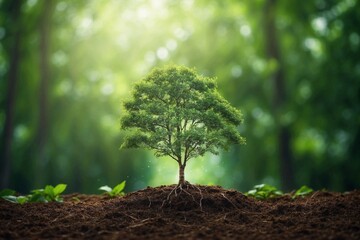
pixel 180 114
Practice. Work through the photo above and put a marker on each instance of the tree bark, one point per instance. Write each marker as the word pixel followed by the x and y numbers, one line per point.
pixel 181 174
pixel 279 98
pixel 12 80
pixel 45 31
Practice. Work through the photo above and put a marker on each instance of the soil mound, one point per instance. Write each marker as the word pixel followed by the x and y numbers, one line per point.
pixel 195 212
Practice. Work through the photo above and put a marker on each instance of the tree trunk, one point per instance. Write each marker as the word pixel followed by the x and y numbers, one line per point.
pixel 14 59
pixel 42 134
pixel 181 174
pixel 279 98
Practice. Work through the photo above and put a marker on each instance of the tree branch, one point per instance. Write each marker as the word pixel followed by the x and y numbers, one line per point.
pixel 170 141
pixel 191 149
pixel 159 150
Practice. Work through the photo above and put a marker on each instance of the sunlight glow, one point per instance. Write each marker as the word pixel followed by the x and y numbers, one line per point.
pixel 311 141
pixel 61 6
pixel 162 53
pixel 319 24
pixel 59 58
pixel 245 30
pixel 21 132
pixel 314 46
pixel 107 89
pixel 171 44
pixel 236 71
pixel 85 26
pixel 305 90
pixel 354 39
pixel 30 3
pixel 63 88
pixel 182 34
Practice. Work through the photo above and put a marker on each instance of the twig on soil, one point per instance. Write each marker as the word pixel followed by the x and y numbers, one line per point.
pixel 131 216
pixel 222 218
pixel 314 194
pixel 149 202
pixel 143 222
pixel 311 198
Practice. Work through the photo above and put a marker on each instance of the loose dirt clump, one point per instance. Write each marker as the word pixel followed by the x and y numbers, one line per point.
pixel 200 212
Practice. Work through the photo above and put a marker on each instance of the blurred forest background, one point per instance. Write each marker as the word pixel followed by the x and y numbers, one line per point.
pixel 293 68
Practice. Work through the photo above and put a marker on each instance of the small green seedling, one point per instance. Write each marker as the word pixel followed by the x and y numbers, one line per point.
pixel 16 199
pixel 303 191
pixel 48 194
pixel 264 191
pixel 7 192
pixel 76 199
pixel 114 192
pixel 9 195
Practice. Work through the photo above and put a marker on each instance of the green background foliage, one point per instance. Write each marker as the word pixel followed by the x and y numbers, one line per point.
pixel 292 68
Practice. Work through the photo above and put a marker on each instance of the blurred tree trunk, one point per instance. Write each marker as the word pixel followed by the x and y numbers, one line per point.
pixel 12 79
pixel 42 134
pixel 279 98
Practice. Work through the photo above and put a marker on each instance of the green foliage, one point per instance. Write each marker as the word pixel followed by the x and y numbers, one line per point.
pixel 16 199
pixel 118 190
pixel 7 192
pixel 76 199
pixel 48 194
pixel 303 191
pixel 9 195
pixel 264 191
pixel 180 114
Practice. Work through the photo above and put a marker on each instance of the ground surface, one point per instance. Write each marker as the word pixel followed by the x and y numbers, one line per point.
pixel 216 213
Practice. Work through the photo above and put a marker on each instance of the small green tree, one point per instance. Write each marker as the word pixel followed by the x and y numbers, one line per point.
pixel 178 113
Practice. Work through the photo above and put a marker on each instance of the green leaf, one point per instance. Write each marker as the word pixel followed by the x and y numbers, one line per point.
pixel 38 197
pixel 22 199
pixel 7 192
pixel 304 190
pixel 264 191
pixel 76 199
pixel 119 188
pixel 260 186
pixel 12 199
pixel 59 189
pixel 49 191
pixel 38 191
pixel 278 192
pixel 106 188
pixel 59 199
pixel 251 192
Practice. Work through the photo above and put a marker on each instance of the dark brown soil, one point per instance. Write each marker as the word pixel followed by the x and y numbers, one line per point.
pixel 216 213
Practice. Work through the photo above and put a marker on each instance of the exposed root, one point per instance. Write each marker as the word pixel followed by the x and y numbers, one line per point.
pixel 201 196
pixel 229 200
pixel 183 188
